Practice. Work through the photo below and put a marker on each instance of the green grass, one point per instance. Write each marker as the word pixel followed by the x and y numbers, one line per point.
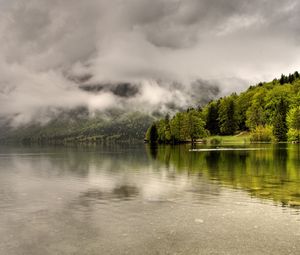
pixel 242 138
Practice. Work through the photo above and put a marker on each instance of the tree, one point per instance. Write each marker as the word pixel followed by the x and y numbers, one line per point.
pixel 195 126
pixel 227 116
pixel 242 105
pixel 153 135
pixel 293 120
pixel 178 130
pixel 283 79
pixel 167 129
pixel 212 121
pixel 279 121
pixel 263 105
pixel 276 96
pixel 255 116
pixel 161 131
pixel 291 78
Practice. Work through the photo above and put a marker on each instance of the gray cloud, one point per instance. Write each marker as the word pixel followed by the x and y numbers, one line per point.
pixel 140 54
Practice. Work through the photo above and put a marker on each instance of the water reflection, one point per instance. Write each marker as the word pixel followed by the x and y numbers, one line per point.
pixel 153 150
pixel 269 171
pixel 122 199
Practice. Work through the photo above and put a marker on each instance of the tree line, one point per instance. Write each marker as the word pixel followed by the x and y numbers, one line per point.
pixel 269 110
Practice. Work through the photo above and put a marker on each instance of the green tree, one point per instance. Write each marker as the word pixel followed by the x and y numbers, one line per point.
pixel 255 116
pixel 263 105
pixel 161 131
pixel 153 135
pixel 293 120
pixel 167 129
pixel 227 116
pixel 242 104
pixel 164 130
pixel 279 121
pixel 212 118
pixel 178 128
pixel 277 95
pixel 283 79
pixel 195 125
pixel 255 113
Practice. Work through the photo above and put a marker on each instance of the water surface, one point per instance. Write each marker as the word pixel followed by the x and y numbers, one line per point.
pixel 136 199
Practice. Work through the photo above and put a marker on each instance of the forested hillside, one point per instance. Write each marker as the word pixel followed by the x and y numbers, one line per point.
pixel 269 110
pixel 78 127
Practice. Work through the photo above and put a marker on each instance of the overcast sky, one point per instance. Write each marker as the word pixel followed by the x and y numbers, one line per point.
pixel 169 49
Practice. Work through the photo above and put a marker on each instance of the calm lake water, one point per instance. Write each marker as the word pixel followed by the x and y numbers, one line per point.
pixel 122 199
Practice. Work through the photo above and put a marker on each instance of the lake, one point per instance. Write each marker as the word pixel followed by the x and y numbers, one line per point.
pixel 137 199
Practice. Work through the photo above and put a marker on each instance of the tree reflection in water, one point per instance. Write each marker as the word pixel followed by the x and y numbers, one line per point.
pixel 270 172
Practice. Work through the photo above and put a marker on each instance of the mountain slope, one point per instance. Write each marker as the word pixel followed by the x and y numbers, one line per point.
pixel 75 127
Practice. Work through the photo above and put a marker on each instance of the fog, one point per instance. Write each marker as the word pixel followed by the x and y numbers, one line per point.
pixel 157 55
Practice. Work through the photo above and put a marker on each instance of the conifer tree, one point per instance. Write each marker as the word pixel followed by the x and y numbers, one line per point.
pixel 227 116
pixel 279 121
pixel 212 121
pixel 153 135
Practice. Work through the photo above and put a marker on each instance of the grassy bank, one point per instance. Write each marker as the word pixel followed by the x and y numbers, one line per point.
pixel 242 138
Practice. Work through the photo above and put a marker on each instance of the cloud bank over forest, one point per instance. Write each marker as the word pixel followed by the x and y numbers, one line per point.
pixel 144 55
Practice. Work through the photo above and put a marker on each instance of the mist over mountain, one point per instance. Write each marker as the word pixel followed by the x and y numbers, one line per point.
pixel 136 55
pixel 127 118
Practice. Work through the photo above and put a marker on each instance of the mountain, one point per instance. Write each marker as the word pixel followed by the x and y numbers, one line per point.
pixel 266 104
pixel 78 126
pixel 122 123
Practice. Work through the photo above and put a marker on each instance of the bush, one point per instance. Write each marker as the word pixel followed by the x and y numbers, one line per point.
pixel 293 135
pixel 262 134
pixel 215 141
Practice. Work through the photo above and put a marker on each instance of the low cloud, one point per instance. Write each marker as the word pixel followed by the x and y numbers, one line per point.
pixel 158 55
